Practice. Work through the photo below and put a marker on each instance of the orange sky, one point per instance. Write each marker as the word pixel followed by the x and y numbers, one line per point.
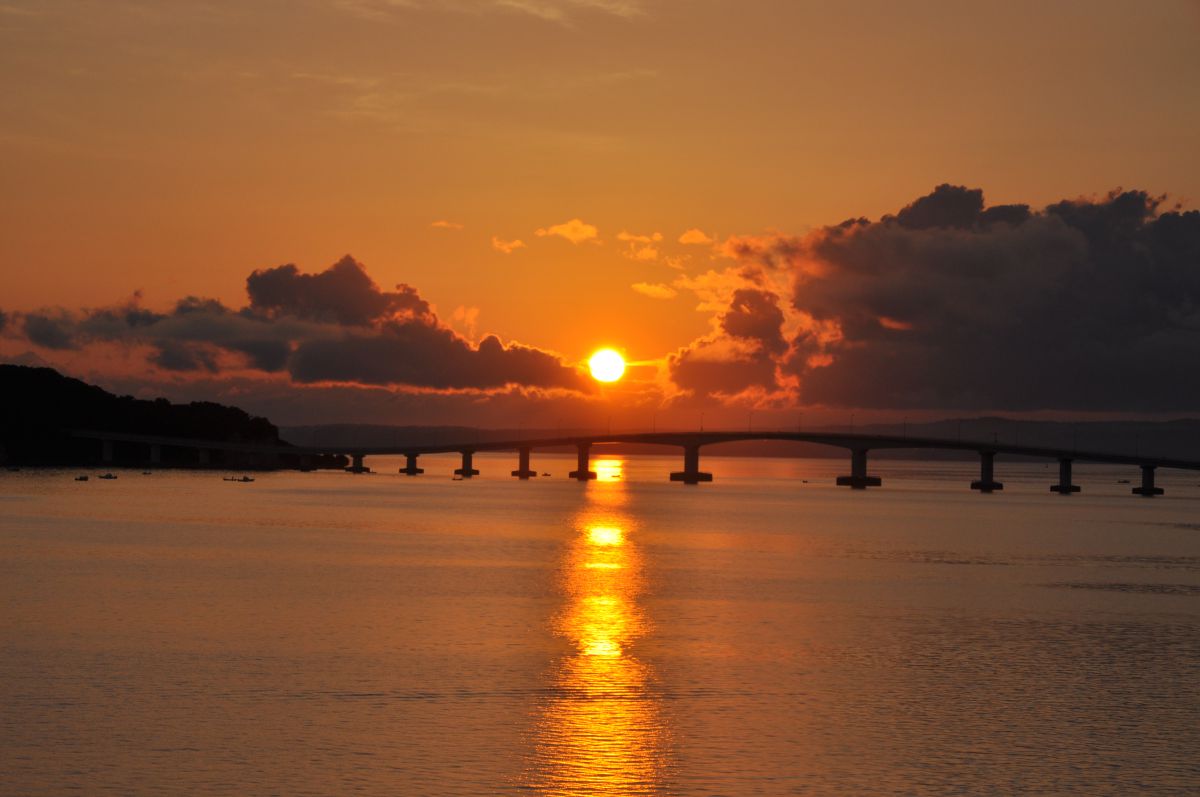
pixel 174 146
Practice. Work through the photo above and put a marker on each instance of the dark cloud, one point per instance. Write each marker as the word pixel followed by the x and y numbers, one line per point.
pixel 341 294
pixel 333 326
pixel 742 355
pixel 49 331
pixel 418 353
pixel 947 206
pixel 3 320
pixel 173 355
pixel 755 315
pixel 1088 304
pixel 692 370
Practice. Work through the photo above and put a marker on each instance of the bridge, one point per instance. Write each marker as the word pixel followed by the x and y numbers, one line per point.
pixel 857 445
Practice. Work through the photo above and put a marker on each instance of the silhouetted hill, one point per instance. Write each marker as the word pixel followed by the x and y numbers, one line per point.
pixel 40 405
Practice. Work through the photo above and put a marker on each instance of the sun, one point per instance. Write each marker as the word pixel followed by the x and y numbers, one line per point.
pixel 607 365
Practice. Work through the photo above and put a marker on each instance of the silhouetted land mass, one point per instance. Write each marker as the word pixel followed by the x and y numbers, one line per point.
pixel 1176 438
pixel 40 406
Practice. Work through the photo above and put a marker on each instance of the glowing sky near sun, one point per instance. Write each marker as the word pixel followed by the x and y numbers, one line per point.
pixel 563 174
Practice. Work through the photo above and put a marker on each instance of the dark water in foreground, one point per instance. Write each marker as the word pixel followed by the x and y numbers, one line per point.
pixel 331 634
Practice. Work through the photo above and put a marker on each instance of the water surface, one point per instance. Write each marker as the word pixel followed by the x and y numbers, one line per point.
pixel 768 633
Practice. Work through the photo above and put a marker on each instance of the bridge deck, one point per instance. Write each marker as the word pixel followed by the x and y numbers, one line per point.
pixel 847 440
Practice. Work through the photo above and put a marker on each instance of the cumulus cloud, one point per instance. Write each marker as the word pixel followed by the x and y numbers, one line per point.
pixel 428 356
pixel 576 231
pixel 343 294
pixel 655 290
pixel 639 239
pixel 443 224
pixel 1086 304
pixel 696 237
pixel 507 247
pixel 49 330
pixel 741 354
pixel 640 247
pixel 333 326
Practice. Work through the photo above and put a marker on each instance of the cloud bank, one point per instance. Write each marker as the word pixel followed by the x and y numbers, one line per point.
pixel 1086 304
pixel 334 326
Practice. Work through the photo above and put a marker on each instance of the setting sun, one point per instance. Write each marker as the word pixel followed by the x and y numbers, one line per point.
pixel 607 365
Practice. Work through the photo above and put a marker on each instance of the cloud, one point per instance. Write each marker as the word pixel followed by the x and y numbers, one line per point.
pixel 576 231
pixel 342 294
pixel 3 320
pixel 1088 304
pixel 640 247
pixel 332 326
pixel 639 239
pixel 655 290
pixel 50 331
pixel 741 354
pixel 507 247
pixel 419 354
pixel 696 237
pixel 442 224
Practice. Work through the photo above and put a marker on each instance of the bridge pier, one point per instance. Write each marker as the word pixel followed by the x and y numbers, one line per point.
pixel 987 482
pixel 1064 486
pixel 106 450
pixel 581 473
pixel 523 470
pixel 410 466
pixel 466 471
pixel 1148 490
pixel 858 478
pixel 691 473
pixel 356 464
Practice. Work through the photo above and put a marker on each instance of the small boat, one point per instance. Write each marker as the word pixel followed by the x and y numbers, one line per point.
pixel 107 477
pixel 545 474
pixel 147 472
pixel 457 479
pixel 1122 481
pixel 81 478
pixel 243 479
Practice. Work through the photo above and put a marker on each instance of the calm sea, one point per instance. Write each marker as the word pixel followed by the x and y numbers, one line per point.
pixel 769 633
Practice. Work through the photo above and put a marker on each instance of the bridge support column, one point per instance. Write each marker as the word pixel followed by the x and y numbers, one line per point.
pixel 466 471
pixel 203 457
pixel 581 473
pixel 691 473
pixel 858 478
pixel 1064 486
pixel 987 482
pixel 410 466
pixel 356 464
pixel 523 470
pixel 106 450
pixel 155 454
pixel 1148 490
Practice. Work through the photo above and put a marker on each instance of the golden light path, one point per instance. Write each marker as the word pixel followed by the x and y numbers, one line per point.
pixel 601 732
pixel 607 365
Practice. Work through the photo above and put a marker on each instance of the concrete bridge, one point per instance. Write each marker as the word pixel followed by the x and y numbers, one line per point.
pixel 857 445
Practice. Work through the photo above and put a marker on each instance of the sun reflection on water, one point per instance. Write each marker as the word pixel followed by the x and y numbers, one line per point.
pixel 601 731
